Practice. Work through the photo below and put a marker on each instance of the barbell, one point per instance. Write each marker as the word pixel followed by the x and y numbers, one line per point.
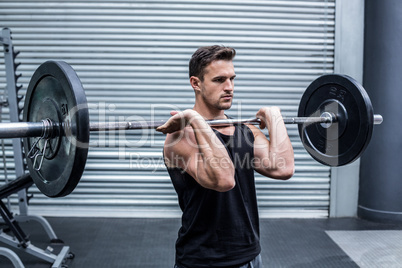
pixel 335 122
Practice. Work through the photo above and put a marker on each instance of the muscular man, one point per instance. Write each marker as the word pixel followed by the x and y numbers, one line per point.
pixel 212 169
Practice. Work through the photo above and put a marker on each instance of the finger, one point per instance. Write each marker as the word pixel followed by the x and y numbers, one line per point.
pixel 163 128
pixel 262 124
pixel 160 129
pixel 168 127
pixel 262 120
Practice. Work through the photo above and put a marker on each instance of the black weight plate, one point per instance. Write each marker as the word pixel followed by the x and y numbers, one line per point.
pixel 343 142
pixel 56 92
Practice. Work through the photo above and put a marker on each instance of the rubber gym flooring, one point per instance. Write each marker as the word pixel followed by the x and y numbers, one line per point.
pixel 296 243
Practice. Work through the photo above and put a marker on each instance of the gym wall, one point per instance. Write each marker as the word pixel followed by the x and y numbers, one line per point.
pixel 132 58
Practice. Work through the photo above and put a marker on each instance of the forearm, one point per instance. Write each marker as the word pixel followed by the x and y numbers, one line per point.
pixel 214 168
pixel 275 157
pixel 281 156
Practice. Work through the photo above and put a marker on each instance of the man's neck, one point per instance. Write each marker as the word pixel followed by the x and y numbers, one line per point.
pixel 209 113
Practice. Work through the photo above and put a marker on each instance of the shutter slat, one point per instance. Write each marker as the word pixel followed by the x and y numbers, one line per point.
pixel 132 58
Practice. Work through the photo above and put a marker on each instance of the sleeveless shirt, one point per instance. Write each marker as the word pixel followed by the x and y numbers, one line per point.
pixel 219 229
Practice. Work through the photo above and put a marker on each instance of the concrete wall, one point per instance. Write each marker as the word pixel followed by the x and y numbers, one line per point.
pixel 380 194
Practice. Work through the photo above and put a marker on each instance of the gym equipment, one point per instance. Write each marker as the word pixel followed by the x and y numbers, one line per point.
pixel 335 124
pixel 20 239
pixel 54 160
pixel 343 141
pixel 56 252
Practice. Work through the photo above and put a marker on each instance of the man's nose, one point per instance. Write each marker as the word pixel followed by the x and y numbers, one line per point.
pixel 229 85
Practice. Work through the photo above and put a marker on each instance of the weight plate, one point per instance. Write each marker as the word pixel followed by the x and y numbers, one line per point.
pixel 342 142
pixel 55 92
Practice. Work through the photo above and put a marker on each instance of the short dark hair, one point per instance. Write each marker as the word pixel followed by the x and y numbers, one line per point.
pixel 205 55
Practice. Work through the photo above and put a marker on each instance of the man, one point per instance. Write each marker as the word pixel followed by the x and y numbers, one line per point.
pixel 212 169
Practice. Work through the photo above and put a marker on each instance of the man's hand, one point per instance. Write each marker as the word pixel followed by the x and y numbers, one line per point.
pixel 269 116
pixel 178 121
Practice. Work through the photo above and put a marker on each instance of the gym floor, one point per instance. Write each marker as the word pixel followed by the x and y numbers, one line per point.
pixel 116 242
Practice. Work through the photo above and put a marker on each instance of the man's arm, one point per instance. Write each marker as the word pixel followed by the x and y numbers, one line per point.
pixel 273 158
pixel 198 151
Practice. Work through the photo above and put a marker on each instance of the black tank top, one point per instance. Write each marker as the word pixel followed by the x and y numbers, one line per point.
pixel 219 229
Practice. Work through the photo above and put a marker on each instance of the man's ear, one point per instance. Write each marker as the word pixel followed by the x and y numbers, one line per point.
pixel 195 83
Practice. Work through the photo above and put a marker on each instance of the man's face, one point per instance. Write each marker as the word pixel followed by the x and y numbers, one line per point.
pixel 218 84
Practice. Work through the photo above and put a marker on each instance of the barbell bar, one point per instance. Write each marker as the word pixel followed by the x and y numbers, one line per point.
pixel 323 119
pixel 47 128
pixel 327 119
pixel 335 122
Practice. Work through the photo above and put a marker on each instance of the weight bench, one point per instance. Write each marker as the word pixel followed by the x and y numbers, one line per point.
pixel 20 239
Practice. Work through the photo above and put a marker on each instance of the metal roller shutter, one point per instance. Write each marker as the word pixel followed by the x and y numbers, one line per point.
pixel 132 58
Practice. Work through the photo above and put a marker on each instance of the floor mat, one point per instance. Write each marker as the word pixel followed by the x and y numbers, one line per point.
pixel 371 248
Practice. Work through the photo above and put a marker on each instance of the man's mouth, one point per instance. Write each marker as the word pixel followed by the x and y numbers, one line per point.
pixel 227 97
